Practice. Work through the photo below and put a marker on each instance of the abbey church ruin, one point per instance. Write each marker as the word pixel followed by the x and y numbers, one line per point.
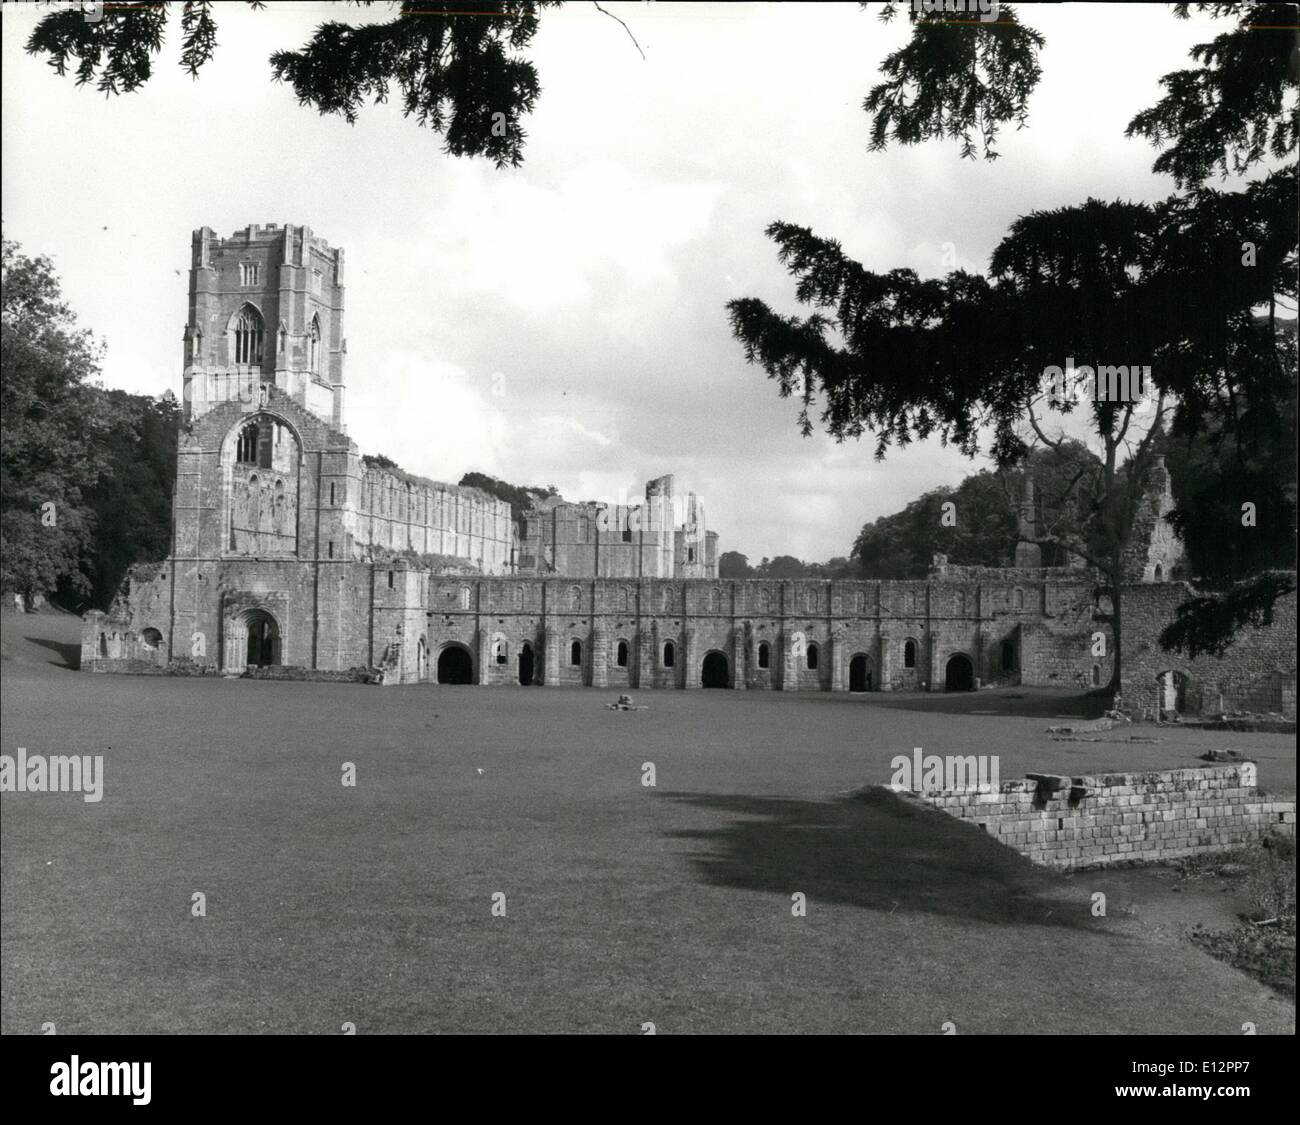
pixel 290 549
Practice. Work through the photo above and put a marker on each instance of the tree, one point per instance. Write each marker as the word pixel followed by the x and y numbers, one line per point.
pixel 49 430
pixel 132 502
pixel 732 564
pixel 1122 282
pixel 457 66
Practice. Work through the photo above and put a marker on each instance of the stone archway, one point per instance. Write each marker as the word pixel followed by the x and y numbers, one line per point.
pixel 455 665
pixel 862 673
pixel 959 674
pixel 1173 691
pixel 525 663
pixel 715 671
pixel 262 644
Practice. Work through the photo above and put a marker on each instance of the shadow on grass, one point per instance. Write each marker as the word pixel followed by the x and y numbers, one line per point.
pixel 877 852
pixel 69 654
pixel 1044 703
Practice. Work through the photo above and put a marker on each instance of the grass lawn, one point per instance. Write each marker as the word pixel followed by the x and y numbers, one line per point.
pixel 624 904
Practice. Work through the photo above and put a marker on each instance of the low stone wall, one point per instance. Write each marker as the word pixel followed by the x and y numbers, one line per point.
pixel 1117 818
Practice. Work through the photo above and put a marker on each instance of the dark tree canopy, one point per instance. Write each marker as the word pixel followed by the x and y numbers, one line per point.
pixel 456 66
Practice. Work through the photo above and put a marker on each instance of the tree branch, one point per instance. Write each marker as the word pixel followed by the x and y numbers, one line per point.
pixel 625 28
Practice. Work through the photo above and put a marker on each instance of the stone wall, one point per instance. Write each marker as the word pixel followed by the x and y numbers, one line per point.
pixel 1094 821
pixel 1257 672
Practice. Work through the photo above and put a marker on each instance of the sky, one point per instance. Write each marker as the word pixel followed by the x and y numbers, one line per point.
pixel 564 323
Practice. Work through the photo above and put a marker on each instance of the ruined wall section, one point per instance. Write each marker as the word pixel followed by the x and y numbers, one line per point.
pixel 1115 818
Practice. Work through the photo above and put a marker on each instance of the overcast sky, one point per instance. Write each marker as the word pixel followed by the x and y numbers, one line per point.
pixel 588 287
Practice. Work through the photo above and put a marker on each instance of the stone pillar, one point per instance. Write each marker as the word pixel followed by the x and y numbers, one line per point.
pixel 885 663
pixel 936 674
pixel 484 656
pixel 551 658
pixel 646 657
pixel 599 657
pixel 790 665
pixel 740 647
pixel 837 662
pixel 692 674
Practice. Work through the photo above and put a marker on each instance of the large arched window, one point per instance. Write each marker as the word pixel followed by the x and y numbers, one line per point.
pixel 621 656
pixel 670 654
pixel 575 652
pixel 909 654
pixel 764 655
pixel 247 332
pixel 811 657
pixel 313 346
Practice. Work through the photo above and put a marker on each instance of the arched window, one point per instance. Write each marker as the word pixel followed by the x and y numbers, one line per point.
pixel 909 654
pixel 625 599
pixel 464 597
pixel 764 655
pixel 1159 575
pixel 575 597
pixel 621 657
pixel 670 654
pixel 313 346
pixel 575 653
pixel 246 448
pixel 248 331
pixel 668 600
pixel 1018 598
pixel 331 494
pixel 499 651
pixel 715 600
pixel 959 602
pixel 811 657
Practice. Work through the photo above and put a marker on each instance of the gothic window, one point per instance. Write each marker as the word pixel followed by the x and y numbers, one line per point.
pixel 331 494
pixel 621 657
pixel 625 599
pixel 575 597
pixel 909 654
pixel 764 655
pixel 283 338
pixel 313 346
pixel 812 657
pixel 575 653
pixel 246 449
pixel 670 654
pixel 1018 598
pixel 499 651
pixel 690 554
pixel 390 579
pixel 248 332
pixel 249 273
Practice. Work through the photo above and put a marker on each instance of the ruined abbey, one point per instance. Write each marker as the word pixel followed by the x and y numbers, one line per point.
pixel 292 550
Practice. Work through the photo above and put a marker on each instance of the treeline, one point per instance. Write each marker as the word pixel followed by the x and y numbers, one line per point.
pixel 87 474
pixel 519 497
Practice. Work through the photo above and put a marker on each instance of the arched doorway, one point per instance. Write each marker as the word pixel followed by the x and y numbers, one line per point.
pixel 960 674
pixel 714 674
pixel 861 673
pixel 455 666
pixel 263 639
pixel 421 661
pixel 1173 692
pixel 525 663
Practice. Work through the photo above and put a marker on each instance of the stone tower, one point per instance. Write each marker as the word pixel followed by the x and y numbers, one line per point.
pixel 265 310
pixel 1029 556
